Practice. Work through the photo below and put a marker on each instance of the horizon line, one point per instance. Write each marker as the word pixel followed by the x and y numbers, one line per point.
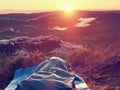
pixel 8 11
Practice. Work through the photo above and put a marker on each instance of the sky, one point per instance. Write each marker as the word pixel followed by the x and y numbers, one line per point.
pixel 44 5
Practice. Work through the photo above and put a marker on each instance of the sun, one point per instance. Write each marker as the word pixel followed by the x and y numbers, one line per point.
pixel 68 8
pixel 68 11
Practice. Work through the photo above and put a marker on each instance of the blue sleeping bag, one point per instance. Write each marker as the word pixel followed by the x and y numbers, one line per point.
pixel 52 74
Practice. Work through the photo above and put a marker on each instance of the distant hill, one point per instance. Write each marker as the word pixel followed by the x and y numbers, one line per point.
pixel 12 25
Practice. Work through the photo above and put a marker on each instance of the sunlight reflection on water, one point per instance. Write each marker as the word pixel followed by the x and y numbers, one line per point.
pixel 83 22
pixel 60 28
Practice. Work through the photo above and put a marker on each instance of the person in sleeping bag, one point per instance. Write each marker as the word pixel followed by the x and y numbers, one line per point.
pixel 53 74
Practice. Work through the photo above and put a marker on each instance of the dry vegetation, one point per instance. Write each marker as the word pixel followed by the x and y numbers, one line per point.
pixel 95 65
pixel 99 66
pixel 8 65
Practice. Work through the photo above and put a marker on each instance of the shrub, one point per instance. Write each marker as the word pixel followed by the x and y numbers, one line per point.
pixel 10 64
pixel 77 58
